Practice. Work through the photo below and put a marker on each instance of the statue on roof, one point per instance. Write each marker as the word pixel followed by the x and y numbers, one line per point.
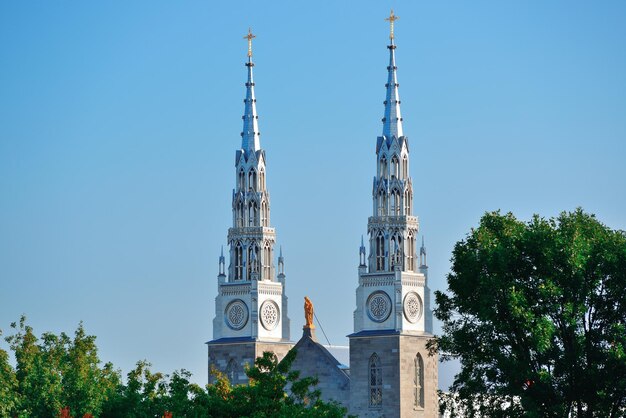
pixel 308 313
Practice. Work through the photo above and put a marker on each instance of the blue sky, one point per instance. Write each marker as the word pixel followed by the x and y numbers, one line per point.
pixel 119 123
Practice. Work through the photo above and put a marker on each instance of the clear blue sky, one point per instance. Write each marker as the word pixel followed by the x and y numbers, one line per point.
pixel 119 123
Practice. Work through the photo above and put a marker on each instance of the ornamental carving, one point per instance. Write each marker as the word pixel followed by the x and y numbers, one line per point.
pixel 413 307
pixel 236 314
pixel 270 314
pixel 379 306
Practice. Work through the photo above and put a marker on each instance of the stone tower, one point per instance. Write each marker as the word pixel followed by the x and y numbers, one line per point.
pixel 251 305
pixel 391 373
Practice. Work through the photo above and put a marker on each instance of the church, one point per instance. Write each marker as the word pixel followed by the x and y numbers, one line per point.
pixel 390 371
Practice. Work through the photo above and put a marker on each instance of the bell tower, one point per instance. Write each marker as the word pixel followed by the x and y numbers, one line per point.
pixel 251 305
pixel 391 371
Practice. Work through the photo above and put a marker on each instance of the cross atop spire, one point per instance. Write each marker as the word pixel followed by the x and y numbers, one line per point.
pixel 392 18
pixel 250 134
pixel 250 37
pixel 392 122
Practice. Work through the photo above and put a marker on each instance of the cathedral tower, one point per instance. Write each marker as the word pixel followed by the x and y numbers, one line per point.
pixel 391 371
pixel 251 305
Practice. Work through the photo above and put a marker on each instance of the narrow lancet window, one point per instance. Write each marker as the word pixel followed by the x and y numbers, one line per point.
pixel 380 252
pixel 238 262
pixel 418 382
pixel 375 381
pixel 395 167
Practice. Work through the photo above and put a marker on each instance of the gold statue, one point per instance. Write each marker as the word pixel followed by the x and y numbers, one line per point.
pixel 308 313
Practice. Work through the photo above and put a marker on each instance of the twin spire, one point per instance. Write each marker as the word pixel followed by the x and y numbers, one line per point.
pixel 392 120
pixel 250 136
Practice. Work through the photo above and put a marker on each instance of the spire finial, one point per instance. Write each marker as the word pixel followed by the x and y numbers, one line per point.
pixel 392 18
pixel 250 37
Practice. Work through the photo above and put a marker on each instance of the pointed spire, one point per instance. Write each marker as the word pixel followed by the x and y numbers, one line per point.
pixel 280 255
pixel 250 135
pixel 392 121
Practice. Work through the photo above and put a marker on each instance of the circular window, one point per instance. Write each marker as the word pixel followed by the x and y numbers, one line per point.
pixel 412 307
pixel 236 314
pixel 270 315
pixel 379 306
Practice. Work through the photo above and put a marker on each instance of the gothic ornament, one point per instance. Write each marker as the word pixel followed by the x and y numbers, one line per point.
pixel 270 313
pixel 236 314
pixel 378 306
pixel 412 307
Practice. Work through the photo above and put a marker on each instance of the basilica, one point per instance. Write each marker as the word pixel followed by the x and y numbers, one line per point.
pixel 390 371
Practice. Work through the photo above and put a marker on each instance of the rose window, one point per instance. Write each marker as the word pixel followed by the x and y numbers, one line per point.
pixel 236 314
pixel 269 315
pixel 379 306
pixel 412 307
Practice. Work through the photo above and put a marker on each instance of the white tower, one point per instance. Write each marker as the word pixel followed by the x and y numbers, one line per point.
pixel 251 305
pixel 391 372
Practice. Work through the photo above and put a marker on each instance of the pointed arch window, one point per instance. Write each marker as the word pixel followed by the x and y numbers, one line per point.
pixel 382 202
pixel 253 260
pixel 239 213
pixel 410 256
pixel 383 167
pixel 231 371
pixel 267 261
pixel 253 214
pixel 375 382
pixel 395 167
pixel 405 167
pixel 262 180
pixel 241 180
pixel 238 261
pixel 264 213
pixel 407 202
pixel 380 252
pixel 252 180
pixel 418 382
pixel 396 204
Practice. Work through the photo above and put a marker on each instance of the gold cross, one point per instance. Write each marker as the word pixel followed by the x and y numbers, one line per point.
pixel 392 18
pixel 249 37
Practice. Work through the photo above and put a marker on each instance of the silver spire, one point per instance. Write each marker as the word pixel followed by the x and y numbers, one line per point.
pixel 250 135
pixel 392 121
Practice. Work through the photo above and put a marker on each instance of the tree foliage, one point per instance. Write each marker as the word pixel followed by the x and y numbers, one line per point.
pixel 536 313
pixel 59 376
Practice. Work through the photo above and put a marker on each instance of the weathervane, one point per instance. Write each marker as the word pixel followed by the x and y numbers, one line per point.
pixel 392 18
pixel 250 36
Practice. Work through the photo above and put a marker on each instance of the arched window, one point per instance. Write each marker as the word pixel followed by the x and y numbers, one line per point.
pixel 240 213
pixel 252 180
pixel 375 381
pixel 380 252
pixel 253 214
pixel 405 167
pixel 395 202
pixel 382 203
pixel 231 371
pixel 267 261
pixel 241 180
pixel 410 256
pixel 262 180
pixel 238 261
pixel 383 168
pixel 253 260
pixel 264 213
pixel 418 382
pixel 395 167
pixel 407 202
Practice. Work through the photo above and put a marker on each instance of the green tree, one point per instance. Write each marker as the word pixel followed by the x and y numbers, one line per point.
pixel 536 314
pixel 54 372
pixel 267 393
